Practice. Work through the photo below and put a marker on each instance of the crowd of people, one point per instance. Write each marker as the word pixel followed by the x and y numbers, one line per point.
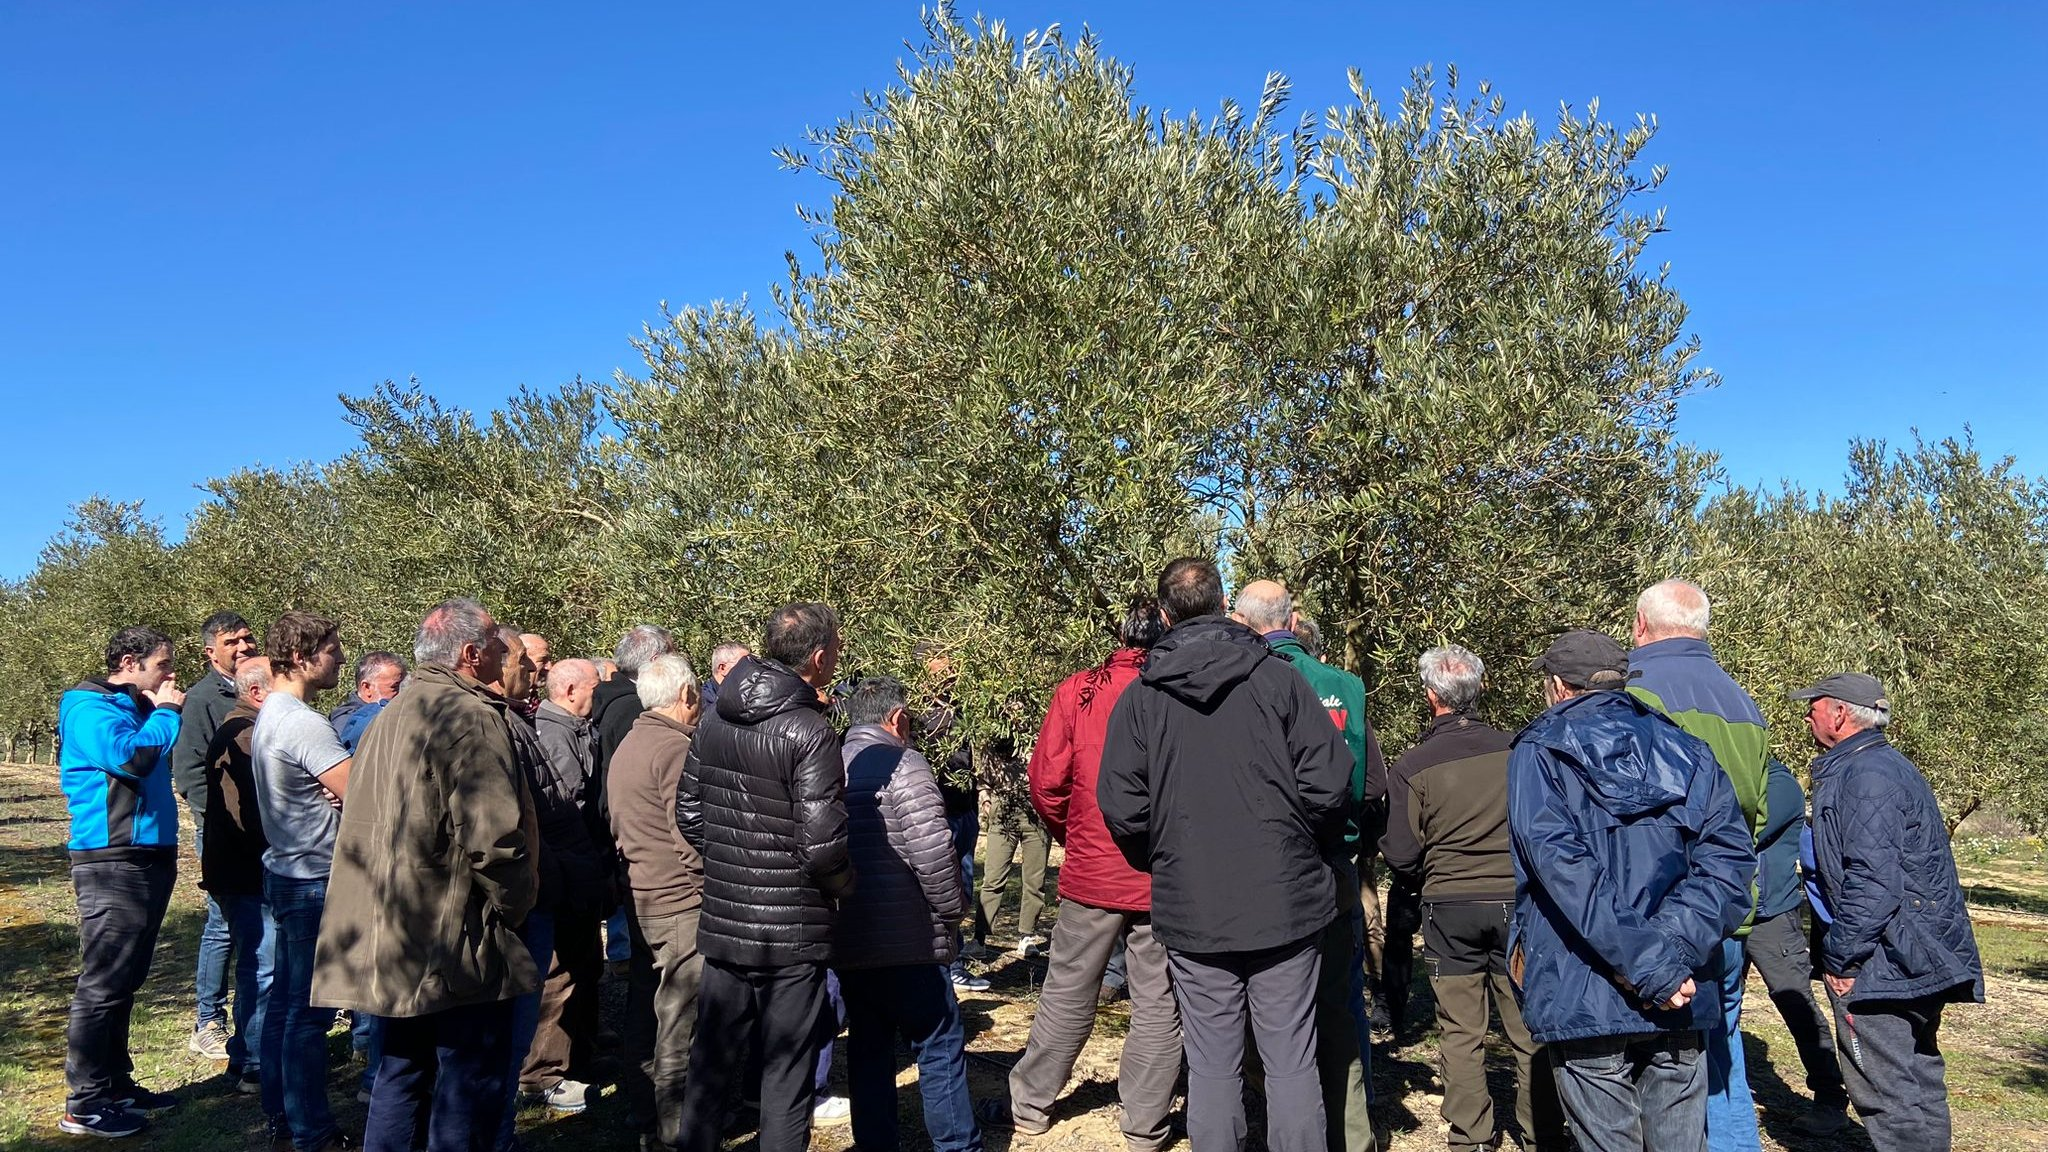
pixel 781 852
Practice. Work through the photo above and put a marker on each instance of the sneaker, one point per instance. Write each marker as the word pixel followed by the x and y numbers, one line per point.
pixel 995 1113
pixel 249 1084
pixel 338 1142
pixel 1821 1120
pixel 136 1098
pixel 279 1133
pixel 567 1097
pixel 209 1040
pixel 968 981
pixel 1030 946
pixel 975 950
pixel 109 1121
pixel 832 1110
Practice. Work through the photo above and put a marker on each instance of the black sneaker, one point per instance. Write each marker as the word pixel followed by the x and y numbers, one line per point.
pixel 136 1098
pixel 109 1121
pixel 249 1084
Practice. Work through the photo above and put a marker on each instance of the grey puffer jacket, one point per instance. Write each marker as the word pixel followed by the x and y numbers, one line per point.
pixel 909 899
pixel 586 867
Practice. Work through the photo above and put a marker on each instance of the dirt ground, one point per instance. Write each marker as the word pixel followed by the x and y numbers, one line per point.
pixel 1998 1053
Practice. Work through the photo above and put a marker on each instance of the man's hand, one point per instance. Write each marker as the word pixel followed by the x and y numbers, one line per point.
pixel 168 694
pixel 1839 985
pixel 1683 996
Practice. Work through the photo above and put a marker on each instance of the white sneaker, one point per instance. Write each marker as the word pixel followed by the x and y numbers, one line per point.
pixel 832 1110
pixel 1029 946
pixel 567 1097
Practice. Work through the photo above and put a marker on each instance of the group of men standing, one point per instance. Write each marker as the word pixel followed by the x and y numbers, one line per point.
pixel 440 855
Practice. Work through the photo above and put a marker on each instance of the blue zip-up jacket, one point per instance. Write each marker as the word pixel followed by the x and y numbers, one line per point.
pixel 116 769
pixel 1900 927
pixel 1632 864
pixel 1777 850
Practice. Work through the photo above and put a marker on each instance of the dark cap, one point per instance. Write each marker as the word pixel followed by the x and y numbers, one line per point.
pixel 1585 659
pixel 1850 688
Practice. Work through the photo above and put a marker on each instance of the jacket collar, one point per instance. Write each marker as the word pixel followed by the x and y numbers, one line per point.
pixel 1673 648
pixel 557 714
pixel 448 677
pixel 1448 721
pixel 1843 752
pixel 654 719
pixel 872 734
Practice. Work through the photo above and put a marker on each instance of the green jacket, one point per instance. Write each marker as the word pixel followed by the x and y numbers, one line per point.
pixel 1344 695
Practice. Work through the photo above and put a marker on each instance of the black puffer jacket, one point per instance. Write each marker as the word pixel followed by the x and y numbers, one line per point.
pixel 763 798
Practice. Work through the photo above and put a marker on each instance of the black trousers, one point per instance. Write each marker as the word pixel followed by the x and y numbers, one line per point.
pixel 1893 1069
pixel 783 1010
pixel 1397 958
pixel 1779 948
pixel 121 907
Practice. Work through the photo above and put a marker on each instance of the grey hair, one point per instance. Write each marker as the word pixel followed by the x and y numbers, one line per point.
pixel 251 674
pixel 642 644
pixel 510 636
pixel 448 626
pixel 1454 673
pixel 1310 635
pixel 664 680
pixel 874 698
pixel 1265 613
pixel 729 653
pixel 1870 719
pixel 1675 608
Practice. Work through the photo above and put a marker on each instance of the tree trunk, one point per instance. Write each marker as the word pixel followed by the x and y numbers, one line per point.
pixel 1956 821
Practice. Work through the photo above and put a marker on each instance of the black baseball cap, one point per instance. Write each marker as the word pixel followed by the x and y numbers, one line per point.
pixel 1585 659
pixel 1856 688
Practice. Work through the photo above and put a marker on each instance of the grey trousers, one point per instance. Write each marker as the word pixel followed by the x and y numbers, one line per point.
pixel 1892 1065
pixel 661 1021
pixel 1779 948
pixel 1082 939
pixel 1635 1093
pixel 1276 987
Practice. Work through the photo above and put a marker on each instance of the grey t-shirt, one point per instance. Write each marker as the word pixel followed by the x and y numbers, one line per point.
pixel 291 746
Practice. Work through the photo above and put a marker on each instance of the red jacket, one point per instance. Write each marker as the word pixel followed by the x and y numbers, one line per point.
pixel 1063 771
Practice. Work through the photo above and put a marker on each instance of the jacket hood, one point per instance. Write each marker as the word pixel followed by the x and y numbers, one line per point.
pixel 1607 739
pixel 758 688
pixel 1202 660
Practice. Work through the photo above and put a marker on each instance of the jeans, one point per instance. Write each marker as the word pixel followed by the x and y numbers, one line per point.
pixel 618 942
pixel 294 1046
pixel 538 934
pixel 121 907
pixel 215 942
pixel 1276 988
pixel 1892 1065
pixel 1731 1114
pixel 1632 1093
pixel 367 1035
pixel 255 944
pixel 783 1011
pixel 444 1075
pixel 915 1001
pixel 966 829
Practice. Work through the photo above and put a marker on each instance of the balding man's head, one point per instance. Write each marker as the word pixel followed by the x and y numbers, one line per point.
pixel 570 685
pixel 1264 606
pixel 1671 608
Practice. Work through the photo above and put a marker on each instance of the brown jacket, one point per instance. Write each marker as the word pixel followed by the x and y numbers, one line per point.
pixel 434 866
pixel 667 875
pixel 232 861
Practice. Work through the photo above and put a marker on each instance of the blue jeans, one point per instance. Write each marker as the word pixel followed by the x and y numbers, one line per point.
pixel 618 942
pixel 255 945
pixel 294 1049
pixel 915 1001
pixel 966 829
pixel 443 1077
pixel 1629 1093
pixel 366 1035
pixel 539 935
pixel 1731 1114
pixel 211 980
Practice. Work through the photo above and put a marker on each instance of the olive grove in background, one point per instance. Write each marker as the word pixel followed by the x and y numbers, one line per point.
pixel 1413 357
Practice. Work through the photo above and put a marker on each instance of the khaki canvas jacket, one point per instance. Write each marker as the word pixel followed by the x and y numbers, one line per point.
pixel 434 867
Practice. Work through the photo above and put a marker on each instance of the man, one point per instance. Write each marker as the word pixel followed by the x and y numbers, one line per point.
pixel 1103 902
pixel 568 1027
pixel 665 877
pixel 896 932
pixel 723 658
pixel 1342 1052
pixel 1013 834
pixel 584 890
pixel 613 709
pixel 536 646
pixel 1673 669
pixel 763 799
pixel 1778 946
pixel 1900 946
pixel 433 876
pixel 224 639
pixel 1447 825
pixel 302 778
pixel 1223 777
pixel 231 869
pixel 115 734
pixel 938 736
pixel 1632 865
pixel 378 677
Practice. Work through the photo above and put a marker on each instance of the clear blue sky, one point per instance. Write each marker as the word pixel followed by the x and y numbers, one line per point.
pixel 220 216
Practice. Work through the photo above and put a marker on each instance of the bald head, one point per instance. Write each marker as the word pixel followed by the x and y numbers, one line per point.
pixel 1671 608
pixel 571 684
pixel 1264 606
